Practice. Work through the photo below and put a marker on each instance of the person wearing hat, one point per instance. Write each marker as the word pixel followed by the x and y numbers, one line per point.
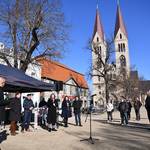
pixel 28 107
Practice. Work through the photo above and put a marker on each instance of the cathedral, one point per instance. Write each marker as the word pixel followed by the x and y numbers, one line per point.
pixel 121 51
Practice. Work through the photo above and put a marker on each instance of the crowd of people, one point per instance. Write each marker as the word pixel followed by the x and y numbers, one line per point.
pixel 48 111
pixel 125 107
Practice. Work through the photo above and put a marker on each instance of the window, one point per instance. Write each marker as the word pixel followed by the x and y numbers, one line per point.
pixel 97 39
pixel 100 49
pixel 120 36
pixel 124 48
pixel 119 47
pixel 64 88
pixel 122 61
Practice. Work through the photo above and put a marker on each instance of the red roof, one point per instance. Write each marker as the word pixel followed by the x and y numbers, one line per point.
pixel 98 26
pixel 59 72
pixel 119 22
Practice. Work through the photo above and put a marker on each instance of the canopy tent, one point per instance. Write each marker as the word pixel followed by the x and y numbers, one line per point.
pixel 17 80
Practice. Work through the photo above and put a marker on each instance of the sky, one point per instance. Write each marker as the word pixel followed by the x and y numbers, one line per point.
pixel 80 14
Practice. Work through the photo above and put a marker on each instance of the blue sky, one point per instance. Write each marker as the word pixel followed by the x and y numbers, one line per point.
pixel 81 15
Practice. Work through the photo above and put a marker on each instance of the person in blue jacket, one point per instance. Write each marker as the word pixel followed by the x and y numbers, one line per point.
pixel 28 107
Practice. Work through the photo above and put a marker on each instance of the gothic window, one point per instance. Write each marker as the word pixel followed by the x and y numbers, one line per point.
pixel 97 39
pixel 100 49
pixel 122 61
pixel 120 36
pixel 124 48
pixel 119 47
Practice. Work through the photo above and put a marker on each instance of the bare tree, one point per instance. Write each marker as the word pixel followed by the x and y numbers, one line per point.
pixel 128 83
pixel 34 28
pixel 104 67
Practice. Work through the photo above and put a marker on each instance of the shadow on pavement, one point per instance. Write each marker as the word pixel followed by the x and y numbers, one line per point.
pixel 130 125
pixel 3 136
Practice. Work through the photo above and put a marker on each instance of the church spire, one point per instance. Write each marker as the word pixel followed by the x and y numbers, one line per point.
pixel 98 25
pixel 119 22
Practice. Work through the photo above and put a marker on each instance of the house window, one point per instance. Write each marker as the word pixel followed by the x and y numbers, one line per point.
pixel 64 88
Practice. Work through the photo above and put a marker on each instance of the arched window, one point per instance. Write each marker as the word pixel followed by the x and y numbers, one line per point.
pixel 97 39
pixel 119 47
pixel 124 48
pixel 122 61
pixel 100 50
pixel 120 36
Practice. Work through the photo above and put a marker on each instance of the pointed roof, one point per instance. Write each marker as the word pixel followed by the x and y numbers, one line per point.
pixel 119 22
pixel 98 26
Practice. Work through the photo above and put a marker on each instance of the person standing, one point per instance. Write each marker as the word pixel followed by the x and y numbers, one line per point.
pixel 129 109
pixel 109 108
pixel 123 108
pixel 52 105
pixel 77 104
pixel 15 112
pixel 28 107
pixel 137 106
pixel 3 103
pixel 66 110
pixel 43 112
pixel 147 105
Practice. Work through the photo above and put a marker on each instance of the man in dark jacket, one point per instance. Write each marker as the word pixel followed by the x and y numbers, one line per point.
pixel 137 106
pixel 77 104
pixel 3 103
pixel 123 108
pixel 28 107
pixel 147 105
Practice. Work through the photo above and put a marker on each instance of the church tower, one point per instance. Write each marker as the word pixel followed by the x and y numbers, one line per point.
pixel 98 45
pixel 121 43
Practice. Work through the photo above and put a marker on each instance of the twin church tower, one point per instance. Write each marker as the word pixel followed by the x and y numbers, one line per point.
pixel 121 50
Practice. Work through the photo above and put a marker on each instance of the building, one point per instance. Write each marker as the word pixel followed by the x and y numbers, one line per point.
pixel 121 51
pixel 73 83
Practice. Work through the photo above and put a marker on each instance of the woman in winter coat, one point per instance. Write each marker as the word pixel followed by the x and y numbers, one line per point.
pixel 66 110
pixel 52 105
pixel 15 112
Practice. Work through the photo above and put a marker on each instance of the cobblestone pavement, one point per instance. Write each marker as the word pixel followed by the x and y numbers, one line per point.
pixel 111 136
